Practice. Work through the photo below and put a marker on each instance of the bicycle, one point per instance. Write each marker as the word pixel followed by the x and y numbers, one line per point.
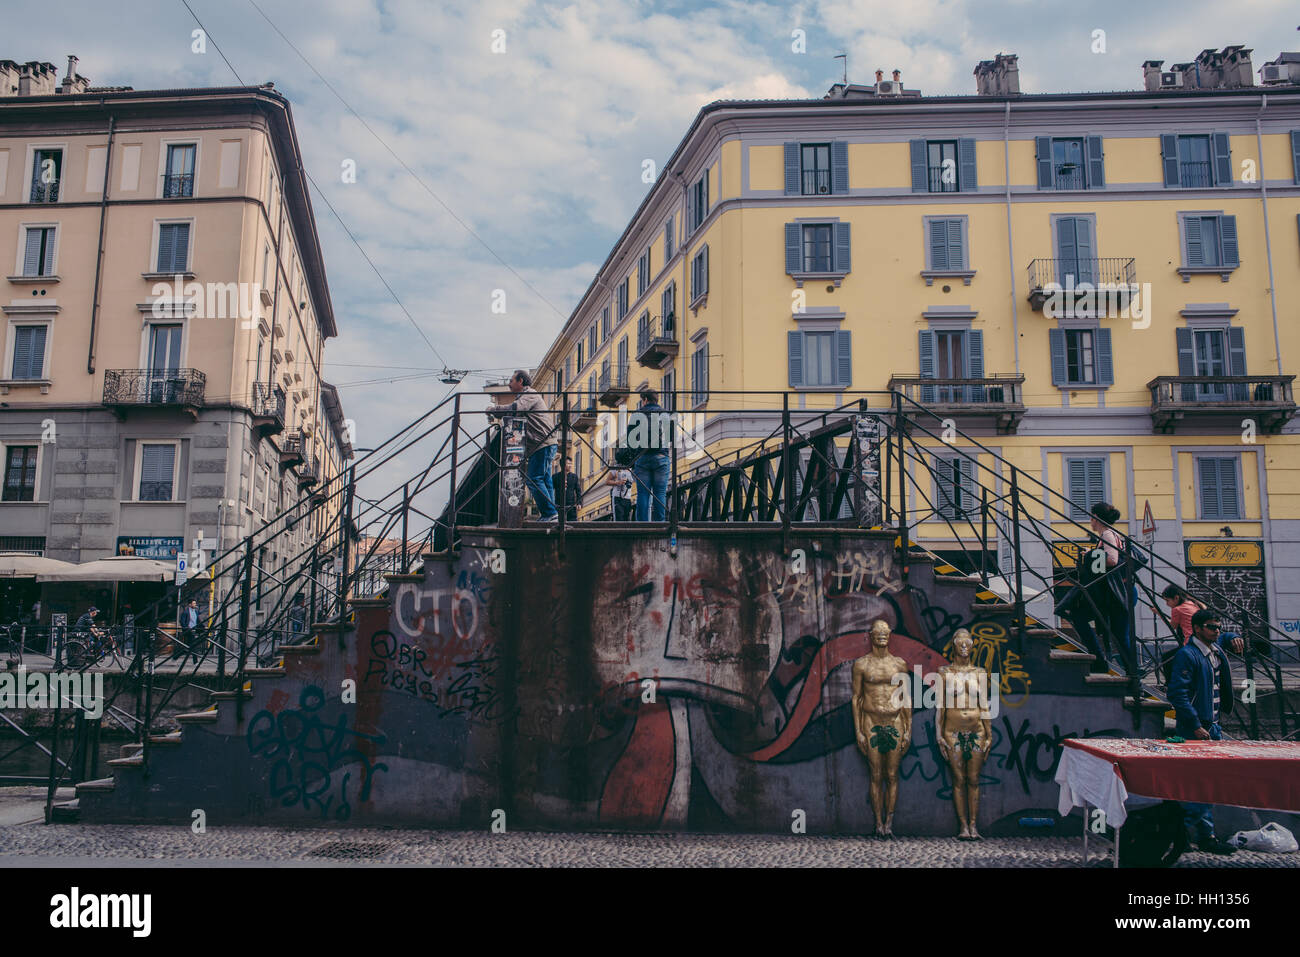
pixel 15 640
pixel 87 649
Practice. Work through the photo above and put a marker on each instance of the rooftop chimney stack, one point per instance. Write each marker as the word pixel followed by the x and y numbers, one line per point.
pixel 999 76
pixel 1226 69
pixel 898 76
pixel 880 76
pixel 1151 75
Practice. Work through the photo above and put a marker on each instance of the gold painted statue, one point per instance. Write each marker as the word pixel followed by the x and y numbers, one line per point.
pixel 964 731
pixel 882 715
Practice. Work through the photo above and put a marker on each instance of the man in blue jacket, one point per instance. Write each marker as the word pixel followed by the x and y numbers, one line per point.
pixel 1200 689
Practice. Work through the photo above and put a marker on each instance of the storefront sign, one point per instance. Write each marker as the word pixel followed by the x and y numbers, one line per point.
pixel 165 548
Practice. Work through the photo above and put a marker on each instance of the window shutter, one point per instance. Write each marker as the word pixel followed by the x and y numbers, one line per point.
pixel 1169 156
pixel 704 195
pixel 843 259
pixel 1095 480
pixel 956 247
pixel 975 364
pixel 1066 251
pixel 795 349
pixel 920 178
pixel 1209 477
pixel 1228 241
pixel 839 166
pixel 22 352
pixel 1195 256
pixel 36 352
pixel 1105 364
pixel 967 469
pixel 1056 343
pixel 793 248
pixel 1096 163
pixel 1044 146
pixel 1295 155
pixel 1228 505
pixel 1222 159
pixel 32 254
pixel 1077 481
pixel 156 469
pixel 966 165
pixel 843 358
pixel 1237 362
pixel 704 268
pixel 1086 249
pixel 939 244
pixel 1186 361
pixel 792 169
pixel 166 242
pixel 926 348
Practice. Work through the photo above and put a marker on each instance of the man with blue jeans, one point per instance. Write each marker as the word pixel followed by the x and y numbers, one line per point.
pixel 539 442
pixel 1200 689
pixel 651 432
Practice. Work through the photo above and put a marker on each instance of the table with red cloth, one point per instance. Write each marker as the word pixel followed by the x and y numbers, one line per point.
pixel 1103 772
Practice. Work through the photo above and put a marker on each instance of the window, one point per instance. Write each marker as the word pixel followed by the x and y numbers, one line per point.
pixel 248 477
pixel 591 342
pixel 1196 161
pixel 173 247
pixel 1074 162
pixel 1209 242
pixel 698 200
pixel 47 173
pixel 1212 352
pixel 945 244
pixel 1076 252
pixel 668 391
pixel 263 481
pixel 1085 478
pixel 642 273
pixel 668 241
pixel 943 166
pixel 20 473
pixel 820 359
pixel 178 180
pixel 1081 357
pixel 954 487
pixel 38 251
pixel 817 248
pixel 591 391
pixel 815 168
pixel 1295 156
pixel 29 352
pixel 668 310
pixel 622 299
pixel 700 375
pixel 700 275
pixel 1218 486
pixel 952 354
pixel 581 357
pixel 620 374
pixel 605 325
pixel 157 471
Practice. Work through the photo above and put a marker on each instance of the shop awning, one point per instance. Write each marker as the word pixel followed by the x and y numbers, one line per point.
pixel 119 568
pixel 24 565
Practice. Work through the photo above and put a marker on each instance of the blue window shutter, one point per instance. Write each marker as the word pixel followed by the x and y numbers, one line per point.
pixel 1105 363
pixel 938 241
pixel 966 165
pixel 920 177
pixel 1096 162
pixel 793 249
pixel 1186 361
pixel 839 166
pixel 967 468
pixel 956 248
pixel 1076 471
pixel 1095 481
pixel 843 358
pixel 181 248
pixel 794 342
pixel 1194 254
pixel 1209 479
pixel 704 268
pixel 1228 240
pixel 1043 144
pixel 926 349
pixel 1229 505
pixel 1222 159
pixel 165 242
pixel 1237 362
pixel 1086 249
pixel 29 352
pixel 1295 156
pixel 1056 342
pixel 1169 157
pixel 32 253
pixel 36 359
pixel 792 170
pixel 975 364
pixel 843 259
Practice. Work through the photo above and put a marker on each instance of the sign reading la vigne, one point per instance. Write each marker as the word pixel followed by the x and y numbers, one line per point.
pixel 1228 575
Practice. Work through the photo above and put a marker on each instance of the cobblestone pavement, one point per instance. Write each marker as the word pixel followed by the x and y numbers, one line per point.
pixel 37 844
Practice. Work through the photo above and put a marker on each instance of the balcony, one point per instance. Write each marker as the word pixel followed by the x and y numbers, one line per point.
pixel 997 399
pixel 939 183
pixel 127 388
pixel 816 182
pixel 1082 286
pixel 613 385
pixel 1196 175
pixel 45 192
pixel 178 185
pixel 1201 400
pixel 583 419
pixel 291 449
pixel 308 471
pixel 656 342
pixel 268 409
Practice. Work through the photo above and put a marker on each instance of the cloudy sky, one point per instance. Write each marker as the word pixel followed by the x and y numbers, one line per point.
pixel 531 158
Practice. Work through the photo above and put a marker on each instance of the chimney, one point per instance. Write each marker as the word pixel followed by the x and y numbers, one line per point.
pixel 1237 68
pixel 70 77
pixel 998 77
pixel 880 76
pixel 25 80
pixel 1151 75
pixel 898 77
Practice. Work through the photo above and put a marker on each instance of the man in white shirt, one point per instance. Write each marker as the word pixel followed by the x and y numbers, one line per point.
pixel 622 481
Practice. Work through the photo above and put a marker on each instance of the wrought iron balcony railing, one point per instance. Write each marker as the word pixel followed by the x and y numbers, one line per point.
pixel 308 470
pixel 816 182
pixel 291 449
pixel 656 341
pixel 998 396
pixel 1268 399
pixel 1108 283
pixel 268 408
pixel 943 179
pixel 178 185
pixel 45 192
pixel 613 384
pixel 1069 176
pixel 127 387
pixel 1197 174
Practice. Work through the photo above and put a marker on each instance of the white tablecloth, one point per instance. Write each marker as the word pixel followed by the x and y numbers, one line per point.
pixel 1085 777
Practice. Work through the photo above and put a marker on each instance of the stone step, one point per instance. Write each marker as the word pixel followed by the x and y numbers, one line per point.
pixel 133 762
pixel 277 672
pixel 230 695
pixel 1081 656
pixel 398 578
pixel 101 785
pixel 300 649
pixel 992 607
pixel 199 717
pixel 450 556
pixel 1106 679
pixel 1148 704
pixel 365 603
pixel 68 812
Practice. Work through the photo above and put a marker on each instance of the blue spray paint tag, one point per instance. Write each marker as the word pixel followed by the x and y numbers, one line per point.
pixel 1037 822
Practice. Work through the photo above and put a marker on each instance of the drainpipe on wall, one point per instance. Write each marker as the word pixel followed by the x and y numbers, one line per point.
pixel 1268 245
pixel 686 295
pixel 1011 248
pixel 99 250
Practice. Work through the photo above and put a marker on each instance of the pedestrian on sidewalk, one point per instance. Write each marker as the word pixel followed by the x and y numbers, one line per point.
pixel 539 441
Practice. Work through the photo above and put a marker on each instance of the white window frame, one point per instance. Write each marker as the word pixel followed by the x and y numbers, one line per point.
pixel 698 299
pixel 153 245
pixel 146 332
pixel 140 443
pixel 32 149
pixel 250 469
pixel 5 445
pixel 21 252
pixel 11 341
pixel 194 141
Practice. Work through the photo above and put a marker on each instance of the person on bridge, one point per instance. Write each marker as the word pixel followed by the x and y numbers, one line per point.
pixel 539 442
pixel 1200 689
pixel 651 435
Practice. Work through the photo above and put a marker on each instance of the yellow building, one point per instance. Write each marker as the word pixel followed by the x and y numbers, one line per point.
pixel 877 238
pixel 165 321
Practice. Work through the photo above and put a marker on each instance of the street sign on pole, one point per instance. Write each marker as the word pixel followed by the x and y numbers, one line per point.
pixel 1148 523
pixel 181 566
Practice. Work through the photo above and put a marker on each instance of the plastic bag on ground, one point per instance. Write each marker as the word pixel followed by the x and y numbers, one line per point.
pixel 1272 838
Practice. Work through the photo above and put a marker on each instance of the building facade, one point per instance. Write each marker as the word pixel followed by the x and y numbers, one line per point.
pixel 877 238
pixel 165 322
